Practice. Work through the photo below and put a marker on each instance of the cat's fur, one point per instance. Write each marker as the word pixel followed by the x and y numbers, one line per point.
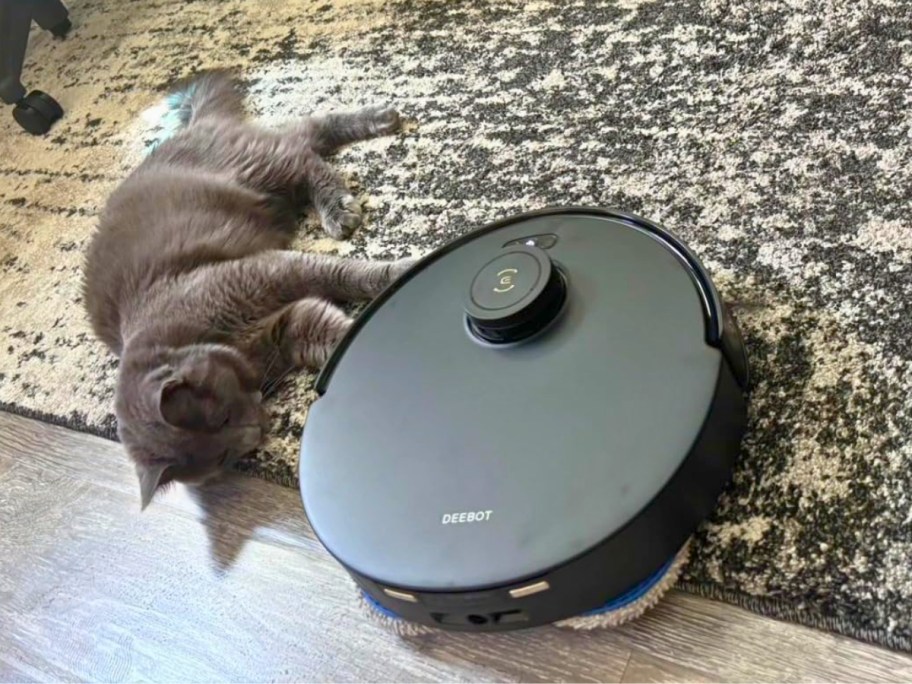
pixel 189 279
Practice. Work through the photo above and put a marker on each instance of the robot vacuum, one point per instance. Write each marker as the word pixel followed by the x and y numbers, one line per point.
pixel 528 425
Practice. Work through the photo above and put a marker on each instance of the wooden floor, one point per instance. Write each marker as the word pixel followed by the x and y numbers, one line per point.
pixel 232 585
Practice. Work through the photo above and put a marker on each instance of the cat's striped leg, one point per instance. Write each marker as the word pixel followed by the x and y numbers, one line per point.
pixel 301 335
pixel 334 130
pixel 339 210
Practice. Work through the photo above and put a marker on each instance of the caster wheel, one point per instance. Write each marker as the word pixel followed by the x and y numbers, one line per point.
pixel 37 112
pixel 62 29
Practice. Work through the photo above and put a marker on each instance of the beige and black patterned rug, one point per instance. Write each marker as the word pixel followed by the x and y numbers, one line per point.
pixel 773 137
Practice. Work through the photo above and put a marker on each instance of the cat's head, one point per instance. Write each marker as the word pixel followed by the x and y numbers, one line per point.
pixel 184 414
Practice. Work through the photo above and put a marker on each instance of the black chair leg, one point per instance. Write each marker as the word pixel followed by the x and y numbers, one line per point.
pixel 51 15
pixel 37 111
pixel 15 21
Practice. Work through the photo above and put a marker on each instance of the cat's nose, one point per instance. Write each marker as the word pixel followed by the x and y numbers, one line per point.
pixel 258 397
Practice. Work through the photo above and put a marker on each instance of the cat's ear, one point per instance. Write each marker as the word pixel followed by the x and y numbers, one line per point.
pixel 181 406
pixel 151 477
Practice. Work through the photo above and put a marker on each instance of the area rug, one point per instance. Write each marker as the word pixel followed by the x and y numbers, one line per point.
pixel 773 137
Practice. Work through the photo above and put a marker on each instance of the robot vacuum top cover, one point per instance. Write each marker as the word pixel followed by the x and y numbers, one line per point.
pixel 514 400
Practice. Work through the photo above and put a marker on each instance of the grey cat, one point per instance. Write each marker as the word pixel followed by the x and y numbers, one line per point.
pixel 189 279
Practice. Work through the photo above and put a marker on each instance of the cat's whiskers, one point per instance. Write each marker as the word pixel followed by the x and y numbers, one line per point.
pixel 274 384
pixel 269 365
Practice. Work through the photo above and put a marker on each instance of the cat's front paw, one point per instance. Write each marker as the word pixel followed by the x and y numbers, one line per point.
pixel 385 120
pixel 343 217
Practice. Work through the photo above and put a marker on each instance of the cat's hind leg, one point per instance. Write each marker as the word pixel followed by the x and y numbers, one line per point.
pixel 293 159
pixel 340 211
pixel 330 132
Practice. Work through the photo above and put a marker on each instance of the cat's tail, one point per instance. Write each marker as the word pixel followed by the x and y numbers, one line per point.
pixel 214 93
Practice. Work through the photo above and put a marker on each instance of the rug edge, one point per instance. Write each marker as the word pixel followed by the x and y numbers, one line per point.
pixel 780 610
pixel 70 423
pixel 77 425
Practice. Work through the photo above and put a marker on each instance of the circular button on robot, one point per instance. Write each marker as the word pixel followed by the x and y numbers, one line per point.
pixel 514 295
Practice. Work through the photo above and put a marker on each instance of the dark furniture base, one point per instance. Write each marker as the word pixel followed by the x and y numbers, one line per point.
pixel 36 111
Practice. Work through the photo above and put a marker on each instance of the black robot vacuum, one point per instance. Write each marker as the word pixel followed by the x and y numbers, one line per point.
pixel 528 425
